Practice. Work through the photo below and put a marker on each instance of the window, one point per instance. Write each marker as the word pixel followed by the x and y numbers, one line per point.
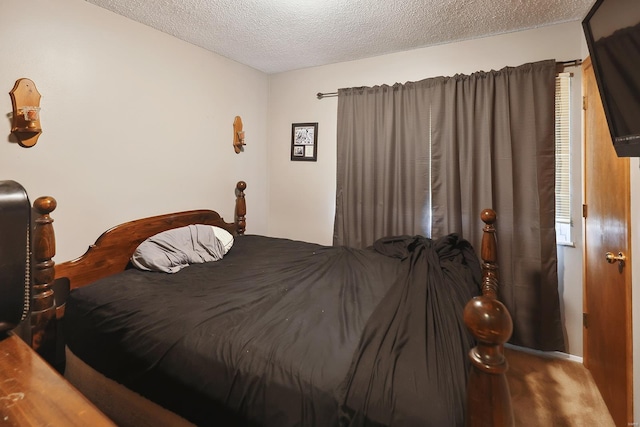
pixel 563 159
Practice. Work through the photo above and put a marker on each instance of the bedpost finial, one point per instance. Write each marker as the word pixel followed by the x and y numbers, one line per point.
pixel 489 397
pixel 241 207
pixel 43 307
pixel 489 320
pixel 488 216
pixel 45 205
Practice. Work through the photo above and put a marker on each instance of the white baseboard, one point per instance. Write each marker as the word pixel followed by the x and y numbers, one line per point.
pixel 550 354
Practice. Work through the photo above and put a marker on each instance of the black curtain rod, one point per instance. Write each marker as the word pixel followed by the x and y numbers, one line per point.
pixel 321 95
pixel 563 64
pixel 573 63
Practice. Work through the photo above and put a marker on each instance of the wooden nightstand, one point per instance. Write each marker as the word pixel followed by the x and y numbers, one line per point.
pixel 34 394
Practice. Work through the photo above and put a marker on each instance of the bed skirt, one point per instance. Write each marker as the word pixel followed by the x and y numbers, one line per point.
pixel 125 407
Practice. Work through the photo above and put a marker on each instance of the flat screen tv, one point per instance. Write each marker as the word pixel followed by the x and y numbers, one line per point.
pixel 612 30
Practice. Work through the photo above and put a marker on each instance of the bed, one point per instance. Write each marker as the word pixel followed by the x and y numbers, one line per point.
pixel 278 332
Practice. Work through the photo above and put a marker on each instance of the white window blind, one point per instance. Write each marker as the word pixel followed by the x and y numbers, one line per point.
pixel 563 159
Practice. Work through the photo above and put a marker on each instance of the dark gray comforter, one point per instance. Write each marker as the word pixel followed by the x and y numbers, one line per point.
pixel 286 333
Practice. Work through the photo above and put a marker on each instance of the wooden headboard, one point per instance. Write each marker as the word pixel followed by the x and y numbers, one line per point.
pixel 112 251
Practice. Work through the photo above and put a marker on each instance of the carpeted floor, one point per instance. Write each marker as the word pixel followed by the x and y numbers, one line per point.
pixel 553 392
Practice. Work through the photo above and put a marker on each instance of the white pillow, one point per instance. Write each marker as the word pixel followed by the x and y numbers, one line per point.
pixel 224 236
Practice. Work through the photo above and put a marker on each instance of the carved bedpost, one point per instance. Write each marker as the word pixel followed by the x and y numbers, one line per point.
pixel 241 207
pixel 488 397
pixel 43 313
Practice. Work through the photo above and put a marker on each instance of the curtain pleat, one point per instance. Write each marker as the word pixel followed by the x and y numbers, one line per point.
pixel 383 164
pixel 425 158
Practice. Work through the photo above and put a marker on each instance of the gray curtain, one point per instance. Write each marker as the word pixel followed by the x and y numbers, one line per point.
pixel 383 163
pixel 427 157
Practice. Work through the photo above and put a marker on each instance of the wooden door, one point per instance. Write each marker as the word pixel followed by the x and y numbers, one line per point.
pixel 607 287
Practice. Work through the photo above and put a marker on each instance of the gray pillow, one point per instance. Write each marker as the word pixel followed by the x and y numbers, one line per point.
pixel 172 250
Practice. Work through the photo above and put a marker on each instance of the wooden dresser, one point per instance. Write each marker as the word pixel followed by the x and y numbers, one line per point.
pixel 34 394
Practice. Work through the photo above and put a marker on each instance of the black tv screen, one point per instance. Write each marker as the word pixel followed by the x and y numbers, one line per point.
pixel 612 30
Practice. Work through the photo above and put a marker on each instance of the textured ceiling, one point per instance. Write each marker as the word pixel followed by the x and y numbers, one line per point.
pixel 281 35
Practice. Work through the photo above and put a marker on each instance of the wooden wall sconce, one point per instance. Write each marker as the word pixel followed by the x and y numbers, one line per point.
pixel 25 99
pixel 238 135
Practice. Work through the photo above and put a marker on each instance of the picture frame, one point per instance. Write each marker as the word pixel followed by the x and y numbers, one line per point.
pixel 304 142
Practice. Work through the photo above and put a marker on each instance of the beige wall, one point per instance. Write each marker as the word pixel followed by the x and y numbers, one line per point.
pixel 135 122
pixel 302 195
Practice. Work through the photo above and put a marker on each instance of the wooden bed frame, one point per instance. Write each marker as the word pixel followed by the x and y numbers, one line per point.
pixel 488 398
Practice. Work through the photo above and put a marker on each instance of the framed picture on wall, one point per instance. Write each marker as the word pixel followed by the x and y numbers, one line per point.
pixel 304 141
